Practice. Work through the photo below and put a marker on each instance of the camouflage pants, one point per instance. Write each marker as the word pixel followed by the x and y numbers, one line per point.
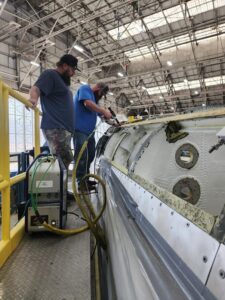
pixel 59 142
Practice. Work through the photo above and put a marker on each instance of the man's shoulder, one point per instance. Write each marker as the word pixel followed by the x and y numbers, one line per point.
pixel 85 87
pixel 84 92
pixel 50 72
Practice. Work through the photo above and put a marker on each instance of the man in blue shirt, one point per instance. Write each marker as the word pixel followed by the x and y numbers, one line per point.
pixel 86 110
pixel 56 98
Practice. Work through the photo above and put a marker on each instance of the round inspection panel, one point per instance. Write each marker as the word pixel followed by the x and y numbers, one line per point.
pixel 187 189
pixel 186 156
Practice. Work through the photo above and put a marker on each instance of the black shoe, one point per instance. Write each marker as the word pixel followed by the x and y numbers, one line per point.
pixel 69 196
pixel 91 183
pixel 86 187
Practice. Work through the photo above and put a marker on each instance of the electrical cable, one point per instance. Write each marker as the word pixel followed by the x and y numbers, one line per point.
pixel 77 215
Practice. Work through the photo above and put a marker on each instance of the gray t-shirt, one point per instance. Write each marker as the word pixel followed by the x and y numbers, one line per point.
pixel 56 102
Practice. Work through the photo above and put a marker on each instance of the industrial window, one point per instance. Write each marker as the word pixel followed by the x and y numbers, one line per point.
pixel 21 127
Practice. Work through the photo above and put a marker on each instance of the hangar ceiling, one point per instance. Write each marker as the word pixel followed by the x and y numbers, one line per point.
pixel 164 56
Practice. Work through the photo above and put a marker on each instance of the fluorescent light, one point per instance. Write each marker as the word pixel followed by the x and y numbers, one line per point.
pixel 203 104
pixel 172 107
pixel 160 97
pixel 110 93
pixel 169 63
pixel 49 42
pixel 83 82
pixel 196 92
pixel 78 48
pixel 34 63
pixel 120 74
pixel 131 101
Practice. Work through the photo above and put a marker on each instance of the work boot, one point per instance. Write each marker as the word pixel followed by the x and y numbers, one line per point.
pixel 92 183
pixel 69 196
pixel 86 187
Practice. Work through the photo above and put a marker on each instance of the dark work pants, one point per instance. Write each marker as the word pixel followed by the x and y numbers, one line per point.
pixel 88 156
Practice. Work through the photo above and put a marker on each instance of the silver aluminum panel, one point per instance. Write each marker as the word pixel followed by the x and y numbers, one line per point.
pixel 45 184
pixel 216 281
pixel 194 246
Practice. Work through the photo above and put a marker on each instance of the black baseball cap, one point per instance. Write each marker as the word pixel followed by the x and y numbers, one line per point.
pixel 70 60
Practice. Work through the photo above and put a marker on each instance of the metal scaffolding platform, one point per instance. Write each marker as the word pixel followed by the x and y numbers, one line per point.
pixel 47 266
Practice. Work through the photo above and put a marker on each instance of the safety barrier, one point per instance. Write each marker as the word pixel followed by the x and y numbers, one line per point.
pixel 11 238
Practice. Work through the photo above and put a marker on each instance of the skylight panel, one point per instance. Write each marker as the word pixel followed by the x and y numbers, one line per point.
pixel 215 80
pixel 139 52
pixel 194 84
pixel 120 32
pixel 157 90
pixel 181 86
pixel 124 31
pixel 136 27
pixel 173 42
pixel 182 39
pixel 155 20
pixel 196 7
pixel 172 14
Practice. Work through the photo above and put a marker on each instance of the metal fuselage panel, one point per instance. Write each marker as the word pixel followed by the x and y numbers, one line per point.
pixel 172 192
pixel 144 151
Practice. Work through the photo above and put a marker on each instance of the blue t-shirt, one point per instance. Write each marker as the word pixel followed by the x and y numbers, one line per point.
pixel 85 119
pixel 56 102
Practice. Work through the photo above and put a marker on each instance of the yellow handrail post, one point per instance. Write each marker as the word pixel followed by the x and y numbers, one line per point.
pixel 4 160
pixel 36 132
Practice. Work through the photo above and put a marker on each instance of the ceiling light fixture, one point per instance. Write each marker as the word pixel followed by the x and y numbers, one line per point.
pixel 34 63
pixel 49 42
pixel 120 74
pixel 196 93
pixel 83 82
pixel 131 101
pixel 169 63
pixel 78 48
pixel 110 93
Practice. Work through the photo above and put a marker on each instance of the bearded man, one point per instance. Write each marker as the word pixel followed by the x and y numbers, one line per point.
pixel 57 124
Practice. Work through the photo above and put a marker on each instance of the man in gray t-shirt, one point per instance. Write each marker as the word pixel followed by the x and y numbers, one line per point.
pixel 57 106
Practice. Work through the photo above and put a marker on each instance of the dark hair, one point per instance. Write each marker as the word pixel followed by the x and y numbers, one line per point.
pixel 103 87
pixel 68 59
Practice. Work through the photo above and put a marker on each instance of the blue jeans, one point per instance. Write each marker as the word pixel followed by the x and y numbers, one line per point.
pixel 88 156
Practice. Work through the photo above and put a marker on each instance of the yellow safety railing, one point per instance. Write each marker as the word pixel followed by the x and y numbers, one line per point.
pixel 11 238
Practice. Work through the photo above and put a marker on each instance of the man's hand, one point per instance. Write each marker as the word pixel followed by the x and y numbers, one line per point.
pixel 94 107
pixel 34 95
pixel 107 114
pixel 32 103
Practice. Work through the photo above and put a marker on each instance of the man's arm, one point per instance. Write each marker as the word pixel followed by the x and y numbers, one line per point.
pixel 94 107
pixel 34 95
